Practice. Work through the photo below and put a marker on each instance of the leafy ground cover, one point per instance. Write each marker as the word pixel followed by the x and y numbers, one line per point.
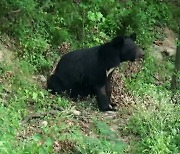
pixel 33 34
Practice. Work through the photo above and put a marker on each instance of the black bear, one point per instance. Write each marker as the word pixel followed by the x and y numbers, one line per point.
pixel 84 72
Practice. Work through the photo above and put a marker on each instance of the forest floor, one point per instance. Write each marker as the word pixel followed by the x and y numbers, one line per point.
pixel 82 114
pixel 53 121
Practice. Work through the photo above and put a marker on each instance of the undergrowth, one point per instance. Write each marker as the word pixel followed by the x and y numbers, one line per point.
pixel 156 119
pixel 21 97
pixel 38 29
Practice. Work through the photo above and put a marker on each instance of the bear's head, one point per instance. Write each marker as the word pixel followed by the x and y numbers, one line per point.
pixel 128 49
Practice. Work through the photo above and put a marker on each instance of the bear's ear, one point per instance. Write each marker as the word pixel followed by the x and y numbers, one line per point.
pixel 133 36
pixel 118 41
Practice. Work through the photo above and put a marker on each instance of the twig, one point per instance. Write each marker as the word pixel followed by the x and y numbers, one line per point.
pixel 39 115
pixel 15 11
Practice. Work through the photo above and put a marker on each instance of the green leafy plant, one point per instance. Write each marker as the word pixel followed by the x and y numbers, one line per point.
pixel 38 28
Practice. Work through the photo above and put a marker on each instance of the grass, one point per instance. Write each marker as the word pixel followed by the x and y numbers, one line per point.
pixel 154 122
pixel 34 121
pixel 156 119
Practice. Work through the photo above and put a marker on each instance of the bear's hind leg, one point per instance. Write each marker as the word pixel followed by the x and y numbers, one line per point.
pixel 54 84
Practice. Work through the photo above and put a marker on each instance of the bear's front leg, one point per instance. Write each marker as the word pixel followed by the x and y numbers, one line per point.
pixel 103 99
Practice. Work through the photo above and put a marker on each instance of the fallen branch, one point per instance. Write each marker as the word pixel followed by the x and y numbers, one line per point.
pixel 39 115
pixel 15 11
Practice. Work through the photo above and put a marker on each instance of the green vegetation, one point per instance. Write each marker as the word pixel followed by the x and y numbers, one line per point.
pixel 20 96
pixel 156 120
pixel 41 27
pixel 38 32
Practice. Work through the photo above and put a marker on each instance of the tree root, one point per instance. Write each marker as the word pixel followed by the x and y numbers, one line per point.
pixel 54 111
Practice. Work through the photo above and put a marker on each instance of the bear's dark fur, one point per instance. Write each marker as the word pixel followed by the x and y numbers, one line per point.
pixel 83 72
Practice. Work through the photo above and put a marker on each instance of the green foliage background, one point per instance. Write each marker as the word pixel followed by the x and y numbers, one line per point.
pixel 39 27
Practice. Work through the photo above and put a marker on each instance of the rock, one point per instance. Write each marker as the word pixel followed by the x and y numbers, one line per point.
pixel 5 54
pixel 44 123
pixel 110 114
pixel 166 46
pixel 40 78
pixel 75 112
pixel 156 52
pixel 114 127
